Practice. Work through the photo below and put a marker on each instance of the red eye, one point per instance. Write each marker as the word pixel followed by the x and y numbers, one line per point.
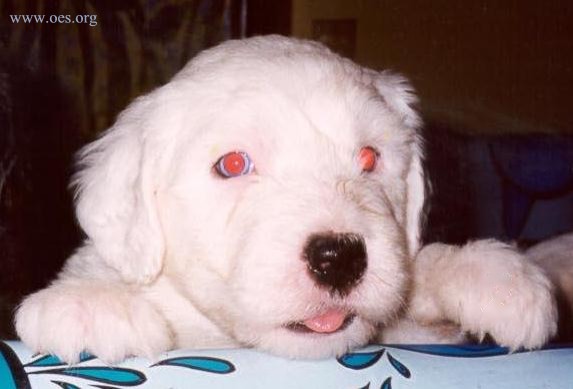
pixel 368 158
pixel 234 164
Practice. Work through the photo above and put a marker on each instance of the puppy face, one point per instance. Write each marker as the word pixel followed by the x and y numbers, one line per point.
pixel 276 184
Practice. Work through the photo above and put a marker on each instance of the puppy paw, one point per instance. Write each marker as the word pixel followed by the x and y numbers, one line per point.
pixel 489 288
pixel 106 321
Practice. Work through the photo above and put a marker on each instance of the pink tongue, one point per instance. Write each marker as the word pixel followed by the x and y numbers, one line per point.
pixel 329 321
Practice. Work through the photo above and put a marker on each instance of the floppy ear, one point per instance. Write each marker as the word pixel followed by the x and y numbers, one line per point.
pixel 115 199
pixel 416 195
pixel 399 96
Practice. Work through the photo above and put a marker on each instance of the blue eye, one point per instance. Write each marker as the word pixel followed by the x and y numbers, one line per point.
pixel 234 164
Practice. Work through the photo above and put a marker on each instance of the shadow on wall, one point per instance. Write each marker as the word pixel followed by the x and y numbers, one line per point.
pixel 512 187
pixel 37 229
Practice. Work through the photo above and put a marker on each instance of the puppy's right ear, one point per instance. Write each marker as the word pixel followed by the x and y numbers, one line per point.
pixel 115 197
pixel 400 98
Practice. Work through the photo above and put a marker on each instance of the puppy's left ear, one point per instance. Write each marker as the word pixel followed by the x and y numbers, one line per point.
pixel 400 98
pixel 115 196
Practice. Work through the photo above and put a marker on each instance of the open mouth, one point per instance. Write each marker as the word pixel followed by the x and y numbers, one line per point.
pixel 329 322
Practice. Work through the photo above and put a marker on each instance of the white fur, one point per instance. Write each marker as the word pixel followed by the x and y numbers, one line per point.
pixel 175 256
pixel 556 257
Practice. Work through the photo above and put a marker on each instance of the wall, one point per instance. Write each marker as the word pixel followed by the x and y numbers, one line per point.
pixel 482 66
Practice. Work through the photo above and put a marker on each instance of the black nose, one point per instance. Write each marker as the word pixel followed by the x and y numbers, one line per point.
pixel 336 261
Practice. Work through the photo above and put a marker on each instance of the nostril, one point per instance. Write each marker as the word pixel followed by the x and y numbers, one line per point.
pixel 336 261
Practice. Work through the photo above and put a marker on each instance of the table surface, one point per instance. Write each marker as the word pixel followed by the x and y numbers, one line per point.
pixel 376 366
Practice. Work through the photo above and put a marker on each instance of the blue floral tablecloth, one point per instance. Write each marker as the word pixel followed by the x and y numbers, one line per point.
pixel 376 366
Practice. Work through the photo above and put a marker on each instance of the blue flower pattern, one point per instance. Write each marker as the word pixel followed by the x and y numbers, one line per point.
pixel 388 364
pixel 359 361
pixel 14 375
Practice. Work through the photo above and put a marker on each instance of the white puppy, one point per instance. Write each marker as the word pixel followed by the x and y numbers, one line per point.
pixel 269 196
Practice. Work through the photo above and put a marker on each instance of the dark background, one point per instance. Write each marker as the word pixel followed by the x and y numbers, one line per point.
pixel 495 80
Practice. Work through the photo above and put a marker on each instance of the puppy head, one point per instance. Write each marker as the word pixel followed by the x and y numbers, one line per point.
pixel 277 184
